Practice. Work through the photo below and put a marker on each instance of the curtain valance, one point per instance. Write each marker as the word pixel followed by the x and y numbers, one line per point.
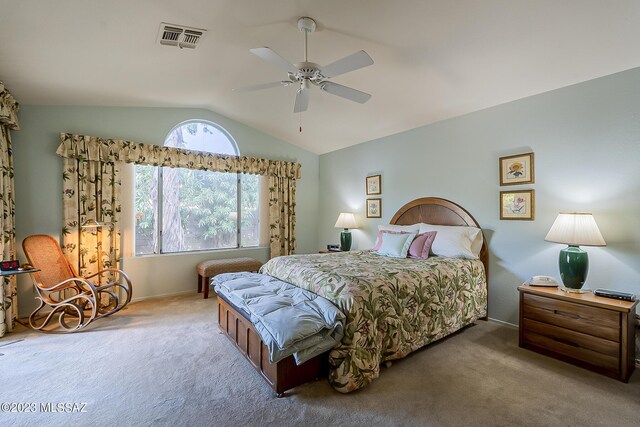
pixel 8 109
pixel 115 150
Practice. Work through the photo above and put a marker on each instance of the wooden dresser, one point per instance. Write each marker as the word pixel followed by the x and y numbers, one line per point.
pixel 583 329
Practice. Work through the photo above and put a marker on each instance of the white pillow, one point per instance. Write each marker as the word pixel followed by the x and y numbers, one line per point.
pixel 455 241
pixel 400 228
pixel 395 245
pixel 396 229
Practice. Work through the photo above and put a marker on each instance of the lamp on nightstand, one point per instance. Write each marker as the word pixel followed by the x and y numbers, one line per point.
pixel 346 220
pixel 575 230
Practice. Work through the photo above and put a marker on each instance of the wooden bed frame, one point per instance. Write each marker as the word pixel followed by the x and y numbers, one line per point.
pixel 285 374
pixel 437 211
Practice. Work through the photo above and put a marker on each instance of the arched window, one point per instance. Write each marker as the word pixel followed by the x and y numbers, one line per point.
pixel 179 210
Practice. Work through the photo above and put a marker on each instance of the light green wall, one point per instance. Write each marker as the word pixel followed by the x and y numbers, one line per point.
pixel 586 140
pixel 38 182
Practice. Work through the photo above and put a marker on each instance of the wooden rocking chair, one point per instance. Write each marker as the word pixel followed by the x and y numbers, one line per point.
pixel 75 299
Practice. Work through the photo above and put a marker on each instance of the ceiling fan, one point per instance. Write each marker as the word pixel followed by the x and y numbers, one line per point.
pixel 307 73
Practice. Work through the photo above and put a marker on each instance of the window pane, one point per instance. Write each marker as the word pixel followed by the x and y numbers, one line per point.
pixel 146 202
pixel 198 210
pixel 250 225
pixel 201 136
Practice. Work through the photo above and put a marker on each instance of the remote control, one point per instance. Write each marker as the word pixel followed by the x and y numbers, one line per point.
pixel 609 293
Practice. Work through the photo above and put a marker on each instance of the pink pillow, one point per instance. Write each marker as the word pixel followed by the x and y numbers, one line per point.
pixel 421 245
pixel 376 247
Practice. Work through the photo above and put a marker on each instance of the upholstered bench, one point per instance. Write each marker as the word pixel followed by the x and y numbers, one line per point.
pixel 207 269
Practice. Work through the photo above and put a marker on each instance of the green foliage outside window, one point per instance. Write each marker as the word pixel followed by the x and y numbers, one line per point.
pixel 199 208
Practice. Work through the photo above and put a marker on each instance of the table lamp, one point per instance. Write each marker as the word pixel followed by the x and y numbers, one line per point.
pixel 346 220
pixel 574 230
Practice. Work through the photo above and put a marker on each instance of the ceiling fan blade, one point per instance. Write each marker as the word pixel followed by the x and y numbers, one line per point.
pixel 302 100
pixel 283 83
pixel 352 62
pixel 273 58
pixel 345 92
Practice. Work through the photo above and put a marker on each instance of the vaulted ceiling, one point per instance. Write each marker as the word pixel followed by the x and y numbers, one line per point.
pixel 434 59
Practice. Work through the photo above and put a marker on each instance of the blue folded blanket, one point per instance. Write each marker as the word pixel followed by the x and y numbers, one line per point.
pixel 290 320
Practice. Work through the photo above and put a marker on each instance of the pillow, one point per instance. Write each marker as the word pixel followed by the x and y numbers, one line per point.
pixel 455 241
pixel 421 245
pixel 401 228
pixel 395 245
pixel 394 229
pixel 379 239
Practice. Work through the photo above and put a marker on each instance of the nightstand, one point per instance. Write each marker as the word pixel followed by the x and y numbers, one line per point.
pixel 583 329
pixel 329 252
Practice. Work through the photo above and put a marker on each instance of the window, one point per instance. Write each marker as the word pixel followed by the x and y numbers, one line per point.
pixel 180 210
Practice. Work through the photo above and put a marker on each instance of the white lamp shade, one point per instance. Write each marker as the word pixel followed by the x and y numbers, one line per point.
pixel 576 229
pixel 346 220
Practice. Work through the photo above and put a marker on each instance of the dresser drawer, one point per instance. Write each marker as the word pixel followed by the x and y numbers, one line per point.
pixel 576 345
pixel 594 321
pixel 583 329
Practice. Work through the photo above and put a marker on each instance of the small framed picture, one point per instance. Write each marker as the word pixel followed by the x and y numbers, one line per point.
pixel 517 169
pixel 374 208
pixel 517 205
pixel 374 185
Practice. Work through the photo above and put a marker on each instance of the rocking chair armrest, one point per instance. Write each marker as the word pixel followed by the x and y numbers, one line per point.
pixel 114 270
pixel 65 282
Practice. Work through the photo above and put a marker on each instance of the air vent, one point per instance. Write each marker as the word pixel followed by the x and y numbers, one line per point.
pixel 180 36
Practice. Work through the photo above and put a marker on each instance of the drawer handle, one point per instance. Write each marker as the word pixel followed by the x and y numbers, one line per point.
pixel 565 314
pixel 567 342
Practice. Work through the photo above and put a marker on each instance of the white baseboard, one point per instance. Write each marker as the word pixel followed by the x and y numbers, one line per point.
pixel 502 322
pixel 170 294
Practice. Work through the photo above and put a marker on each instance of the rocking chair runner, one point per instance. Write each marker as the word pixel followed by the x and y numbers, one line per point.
pixel 75 300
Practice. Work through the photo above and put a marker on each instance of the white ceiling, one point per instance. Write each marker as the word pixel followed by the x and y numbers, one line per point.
pixel 434 59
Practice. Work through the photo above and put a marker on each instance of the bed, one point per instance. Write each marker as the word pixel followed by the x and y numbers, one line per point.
pixel 393 306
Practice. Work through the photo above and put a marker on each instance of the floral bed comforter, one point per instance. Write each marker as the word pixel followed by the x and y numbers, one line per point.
pixel 393 305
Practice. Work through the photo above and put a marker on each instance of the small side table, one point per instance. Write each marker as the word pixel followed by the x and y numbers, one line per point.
pixel 18 271
pixel 583 329
pixel 329 252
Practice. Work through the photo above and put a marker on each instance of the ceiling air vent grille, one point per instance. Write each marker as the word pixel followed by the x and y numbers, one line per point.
pixel 180 36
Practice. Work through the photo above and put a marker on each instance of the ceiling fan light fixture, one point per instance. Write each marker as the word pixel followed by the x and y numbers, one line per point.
pixel 307 72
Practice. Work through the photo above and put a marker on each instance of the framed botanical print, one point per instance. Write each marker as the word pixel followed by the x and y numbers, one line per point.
pixel 517 169
pixel 374 208
pixel 517 205
pixel 374 185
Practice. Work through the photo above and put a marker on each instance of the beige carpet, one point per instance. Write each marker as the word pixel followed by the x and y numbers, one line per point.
pixel 163 362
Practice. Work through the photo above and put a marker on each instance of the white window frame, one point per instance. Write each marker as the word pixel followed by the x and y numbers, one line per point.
pixel 159 171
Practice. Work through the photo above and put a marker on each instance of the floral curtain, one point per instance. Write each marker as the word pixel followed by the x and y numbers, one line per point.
pixel 282 175
pixel 114 150
pixel 91 192
pixel 8 289
pixel 282 216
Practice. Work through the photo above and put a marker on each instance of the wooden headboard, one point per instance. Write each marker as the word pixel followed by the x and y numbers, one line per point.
pixel 437 211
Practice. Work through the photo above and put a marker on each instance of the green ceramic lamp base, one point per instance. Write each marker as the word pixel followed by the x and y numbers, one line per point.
pixel 345 240
pixel 574 266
